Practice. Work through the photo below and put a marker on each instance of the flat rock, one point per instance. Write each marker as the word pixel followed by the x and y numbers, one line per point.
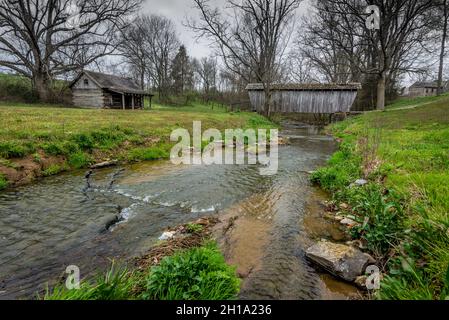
pixel 167 235
pixel 340 260
pixel 348 222
pixel 361 182
pixel 105 164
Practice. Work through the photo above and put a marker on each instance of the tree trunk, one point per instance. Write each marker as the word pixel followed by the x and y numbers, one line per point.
pixel 443 48
pixel 142 80
pixel 267 106
pixel 381 84
pixel 41 84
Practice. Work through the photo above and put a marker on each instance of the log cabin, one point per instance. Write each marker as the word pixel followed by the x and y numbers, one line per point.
pixel 99 90
pixel 315 98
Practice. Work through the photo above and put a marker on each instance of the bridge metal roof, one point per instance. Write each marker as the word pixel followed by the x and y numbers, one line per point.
pixel 307 87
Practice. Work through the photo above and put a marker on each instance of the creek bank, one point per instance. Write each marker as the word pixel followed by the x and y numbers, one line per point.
pixel 183 237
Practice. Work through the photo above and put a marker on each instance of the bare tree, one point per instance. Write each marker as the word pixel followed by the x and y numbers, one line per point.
pixel 444 10
pixel 253 43
pixel 133 48
pixel 161 45
pixel 43 39
pixel 206 69
pixel 387 52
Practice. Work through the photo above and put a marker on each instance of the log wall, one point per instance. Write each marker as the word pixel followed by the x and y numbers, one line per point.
pixel 305 101
pixel 93 98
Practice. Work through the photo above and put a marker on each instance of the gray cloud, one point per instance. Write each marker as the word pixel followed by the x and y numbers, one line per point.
pixel 178 11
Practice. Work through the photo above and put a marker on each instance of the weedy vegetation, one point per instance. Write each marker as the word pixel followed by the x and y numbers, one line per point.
pixel 193 274
pixel 403 212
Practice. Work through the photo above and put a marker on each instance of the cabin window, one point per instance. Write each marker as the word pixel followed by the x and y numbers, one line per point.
pixel 86 82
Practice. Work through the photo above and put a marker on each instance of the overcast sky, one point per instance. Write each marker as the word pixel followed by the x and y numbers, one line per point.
pixel 177 11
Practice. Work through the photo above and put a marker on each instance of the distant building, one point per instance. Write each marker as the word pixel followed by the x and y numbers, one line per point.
pixel 99 90
pixel 425 89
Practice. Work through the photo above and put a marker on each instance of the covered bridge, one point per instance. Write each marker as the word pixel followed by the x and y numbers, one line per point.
pixel 305 98
pixel 99 90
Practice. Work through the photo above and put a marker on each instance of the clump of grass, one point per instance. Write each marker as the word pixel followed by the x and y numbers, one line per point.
pixel 161 151
pixel 79 160
pixel 3 182
pixel 194 228
pixel 196 274
pixel 343 168
pixel 14 149
pixel 7 163
pixel 53 170
pixel 115 284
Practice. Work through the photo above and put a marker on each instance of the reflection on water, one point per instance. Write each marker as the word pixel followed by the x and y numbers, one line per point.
pixel 54 223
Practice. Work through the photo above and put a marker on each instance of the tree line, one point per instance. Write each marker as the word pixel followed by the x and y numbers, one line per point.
pixel 262 41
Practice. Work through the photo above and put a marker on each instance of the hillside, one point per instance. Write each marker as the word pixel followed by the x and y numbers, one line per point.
pixel 404 209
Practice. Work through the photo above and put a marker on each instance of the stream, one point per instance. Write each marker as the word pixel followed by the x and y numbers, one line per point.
pixel 57 222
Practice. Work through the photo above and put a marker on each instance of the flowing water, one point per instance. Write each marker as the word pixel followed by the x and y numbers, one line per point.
pixel 58 222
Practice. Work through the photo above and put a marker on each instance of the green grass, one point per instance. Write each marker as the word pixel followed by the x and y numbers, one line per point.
pixel 84 136
pixel 404 210
pixel 116 284
pixel 53 169
pixel 194 274
pixel 406 102
pixel 197 274
pixel 3 182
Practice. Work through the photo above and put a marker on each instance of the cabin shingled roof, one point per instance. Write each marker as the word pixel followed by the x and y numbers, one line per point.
pixel 112 82
pixel 306 86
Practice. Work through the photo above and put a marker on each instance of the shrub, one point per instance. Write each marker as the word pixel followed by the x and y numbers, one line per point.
pixel 196 274
pixel 194 228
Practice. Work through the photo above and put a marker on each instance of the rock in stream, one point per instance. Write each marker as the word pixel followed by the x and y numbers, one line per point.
pixel 340 260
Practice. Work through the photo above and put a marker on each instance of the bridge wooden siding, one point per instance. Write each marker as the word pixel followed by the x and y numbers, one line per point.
pixel 305 98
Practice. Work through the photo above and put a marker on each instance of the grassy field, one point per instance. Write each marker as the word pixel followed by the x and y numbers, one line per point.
pixel 404 210
pixel 57 138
